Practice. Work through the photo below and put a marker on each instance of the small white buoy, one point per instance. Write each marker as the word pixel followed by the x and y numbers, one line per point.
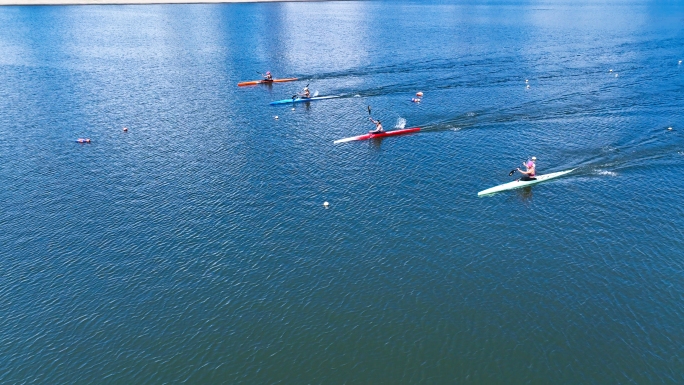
pixel 616 75
pixel 326 204
pixel 527 81
pixel 680 62
pixel 528 87
pixel 125 129
pixel 276 117
pixel 610 70
pixel 669 128
pixel 293 109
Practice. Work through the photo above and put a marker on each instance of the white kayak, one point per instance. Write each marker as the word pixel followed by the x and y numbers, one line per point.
pixel 519 183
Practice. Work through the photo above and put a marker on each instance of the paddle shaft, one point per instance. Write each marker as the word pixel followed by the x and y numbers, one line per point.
pixel 298 94
pixel 515 169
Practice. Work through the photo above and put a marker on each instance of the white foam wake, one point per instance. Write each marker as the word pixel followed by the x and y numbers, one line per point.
pixel 605 173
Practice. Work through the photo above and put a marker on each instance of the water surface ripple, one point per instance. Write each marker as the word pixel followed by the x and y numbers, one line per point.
pixel 195 248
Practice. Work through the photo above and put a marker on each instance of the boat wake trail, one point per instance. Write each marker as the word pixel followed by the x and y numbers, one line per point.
pixel 605 172
pixel 656 150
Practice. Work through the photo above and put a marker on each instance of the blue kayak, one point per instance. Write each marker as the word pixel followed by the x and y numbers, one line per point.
pixel 301 100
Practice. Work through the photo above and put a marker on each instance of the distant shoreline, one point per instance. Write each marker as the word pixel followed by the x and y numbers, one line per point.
pixel 136 2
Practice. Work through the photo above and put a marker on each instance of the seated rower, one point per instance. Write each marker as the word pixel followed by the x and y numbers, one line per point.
pixel 306 94
pixel 268 77
pixel 378 127
pixel 531 170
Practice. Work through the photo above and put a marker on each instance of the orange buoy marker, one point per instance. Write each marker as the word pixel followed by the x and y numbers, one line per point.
pixel 419 94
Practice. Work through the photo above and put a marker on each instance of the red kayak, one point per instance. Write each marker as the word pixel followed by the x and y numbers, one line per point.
pixel 378 135
pixel 255 82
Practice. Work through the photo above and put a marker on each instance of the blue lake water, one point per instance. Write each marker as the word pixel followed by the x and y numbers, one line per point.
pixel 195 247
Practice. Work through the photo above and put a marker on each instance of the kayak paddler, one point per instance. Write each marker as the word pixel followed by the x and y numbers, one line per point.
pixel 306 94
pixel 378 126
pixel 268 77
pixel 531 171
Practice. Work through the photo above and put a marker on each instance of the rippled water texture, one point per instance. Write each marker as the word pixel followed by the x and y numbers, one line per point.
pixel 195 247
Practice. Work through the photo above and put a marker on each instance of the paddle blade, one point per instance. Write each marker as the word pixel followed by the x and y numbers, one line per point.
pixel 369 111
pixel 511 173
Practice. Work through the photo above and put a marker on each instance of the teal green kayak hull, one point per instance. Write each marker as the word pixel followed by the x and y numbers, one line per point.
pixel 519 183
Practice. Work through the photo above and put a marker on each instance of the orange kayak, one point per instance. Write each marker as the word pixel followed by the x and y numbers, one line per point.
pixel 255 82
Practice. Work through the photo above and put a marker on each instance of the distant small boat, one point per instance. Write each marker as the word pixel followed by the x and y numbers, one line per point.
pixel 255 82
pixel 301 100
